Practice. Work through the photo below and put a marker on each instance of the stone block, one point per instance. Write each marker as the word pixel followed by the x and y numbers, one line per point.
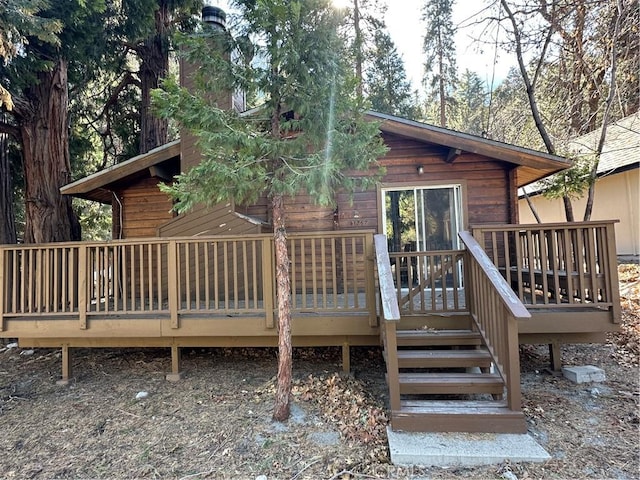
pixel 584 374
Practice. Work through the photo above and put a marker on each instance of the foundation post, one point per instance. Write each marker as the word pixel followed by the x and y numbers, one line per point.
pixel 555 355
pixel 66 365
pixel 346 358
pixel 176 356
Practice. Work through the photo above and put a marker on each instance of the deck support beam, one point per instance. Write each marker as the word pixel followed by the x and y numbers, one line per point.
pixel 66 365
pixel 346 357
pixel 176 358
pixel 555 356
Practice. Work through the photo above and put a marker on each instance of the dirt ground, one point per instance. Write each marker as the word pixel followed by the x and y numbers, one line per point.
pixel 216 422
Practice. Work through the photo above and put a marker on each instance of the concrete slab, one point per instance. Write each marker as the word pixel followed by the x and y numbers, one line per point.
pixel 584 374
pixel 462 449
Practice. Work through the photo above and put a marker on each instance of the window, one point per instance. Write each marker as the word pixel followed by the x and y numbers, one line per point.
pixel 422 218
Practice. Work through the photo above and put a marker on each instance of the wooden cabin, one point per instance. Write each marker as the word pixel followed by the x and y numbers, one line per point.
pixel 432 264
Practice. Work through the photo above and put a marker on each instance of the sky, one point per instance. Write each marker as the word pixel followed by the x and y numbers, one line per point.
pixel 406 28
pixel 407 31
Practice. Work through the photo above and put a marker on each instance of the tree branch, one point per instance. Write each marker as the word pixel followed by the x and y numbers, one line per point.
pixel 10 130
pixel 607 113
pixel 527 81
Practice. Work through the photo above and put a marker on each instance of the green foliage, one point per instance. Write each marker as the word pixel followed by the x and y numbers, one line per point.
pixel 387 87
pixel 18 20
pixel 468 111
pixel 307 136
pixel 438 46
pixel 94 218
pixel 571 183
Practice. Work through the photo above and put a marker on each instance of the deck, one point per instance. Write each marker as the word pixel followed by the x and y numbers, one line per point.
pixel 220 291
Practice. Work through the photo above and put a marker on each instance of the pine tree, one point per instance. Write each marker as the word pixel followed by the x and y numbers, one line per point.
pixel 387 87
pixel 146 32
pixel 469 106
pixel 364 19
pixel 303 138
pixel 39 80
pixel 440 51
pixel 18 20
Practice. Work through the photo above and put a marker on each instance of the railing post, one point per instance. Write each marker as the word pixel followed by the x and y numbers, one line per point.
pixel 83 272
pixel 513 372
pixel 393 379
pixel 613 286
pixel 370 285
pixel 172 280
pixel 268 276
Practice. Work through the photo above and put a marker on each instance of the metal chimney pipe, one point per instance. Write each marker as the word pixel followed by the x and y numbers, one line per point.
pixel 215 17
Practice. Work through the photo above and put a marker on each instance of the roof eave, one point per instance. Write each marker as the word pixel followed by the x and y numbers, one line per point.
pixel 520 156
pixel 88 187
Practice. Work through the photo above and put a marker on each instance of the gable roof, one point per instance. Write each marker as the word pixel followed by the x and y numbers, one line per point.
pixel 532 165
pixel 94 187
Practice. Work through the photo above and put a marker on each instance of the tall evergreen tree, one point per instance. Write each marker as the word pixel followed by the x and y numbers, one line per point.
pixel 387 87
pixel 148 28
pixel 440 52
pixel 38 80
pixel 18 20
pixel 364 19
pixel 304 137
pixel 469 106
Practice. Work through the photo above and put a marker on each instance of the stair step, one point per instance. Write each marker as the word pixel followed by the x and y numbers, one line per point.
pixel 417 338
pixel 457 416
pixel 450 383
pixel 443 358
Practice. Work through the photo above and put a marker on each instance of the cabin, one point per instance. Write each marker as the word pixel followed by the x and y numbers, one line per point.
pixel 432 264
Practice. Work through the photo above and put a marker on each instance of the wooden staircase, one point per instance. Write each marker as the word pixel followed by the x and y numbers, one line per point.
pixel 446 383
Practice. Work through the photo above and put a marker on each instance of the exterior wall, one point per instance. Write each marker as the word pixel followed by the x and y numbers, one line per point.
pixel 486 188
pixel 144 209
pixel 216 220
pixel 617 197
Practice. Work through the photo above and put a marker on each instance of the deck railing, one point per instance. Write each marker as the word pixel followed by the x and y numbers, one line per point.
pixel 186 276
pixel 565 265
pixel 428 282
pixel 495 310
pixel 390 317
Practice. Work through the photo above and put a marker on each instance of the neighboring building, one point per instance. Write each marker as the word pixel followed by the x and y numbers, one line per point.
pixel 617 192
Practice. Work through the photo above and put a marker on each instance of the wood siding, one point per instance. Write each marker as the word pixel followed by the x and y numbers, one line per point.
pixel 218 219
pixel 488 188
pixel 144 209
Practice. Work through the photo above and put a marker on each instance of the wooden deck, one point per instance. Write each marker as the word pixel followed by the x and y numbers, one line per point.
pixel 508 285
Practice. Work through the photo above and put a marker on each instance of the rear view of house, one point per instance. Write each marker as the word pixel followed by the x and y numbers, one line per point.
pixel 432 263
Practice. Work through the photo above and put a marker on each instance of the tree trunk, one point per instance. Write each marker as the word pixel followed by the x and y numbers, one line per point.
pixel 44 135
pixel 441 89
pixel 283 390
pixel 359 45
pixel 568 209
pixel 154 131
pixel 7 214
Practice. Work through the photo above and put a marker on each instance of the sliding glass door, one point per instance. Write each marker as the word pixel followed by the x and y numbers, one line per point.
pixel 422 218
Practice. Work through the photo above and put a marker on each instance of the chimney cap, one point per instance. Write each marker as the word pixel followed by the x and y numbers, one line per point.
pixel 214 16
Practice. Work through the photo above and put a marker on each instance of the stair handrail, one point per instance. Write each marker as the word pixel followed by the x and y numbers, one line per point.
pixel 496 310
pixel 390 315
